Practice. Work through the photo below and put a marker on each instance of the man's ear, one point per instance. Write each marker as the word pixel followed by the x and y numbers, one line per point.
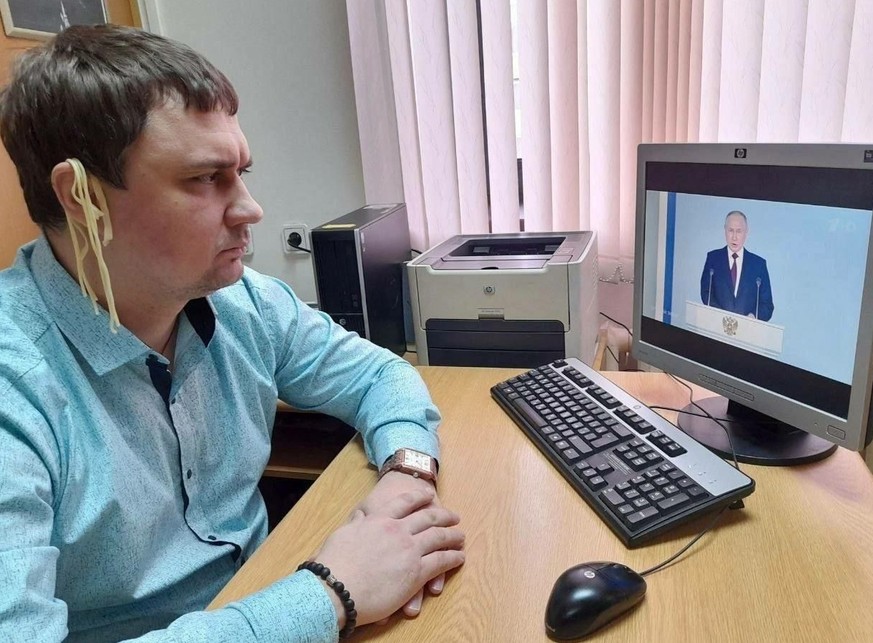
pixel 63 178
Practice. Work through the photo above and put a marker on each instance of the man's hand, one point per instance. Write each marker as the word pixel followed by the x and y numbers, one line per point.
pixel 386 556
pixel 391 485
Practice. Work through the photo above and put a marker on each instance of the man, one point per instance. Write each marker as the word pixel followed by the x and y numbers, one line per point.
pixel 130 453
pixel 735 279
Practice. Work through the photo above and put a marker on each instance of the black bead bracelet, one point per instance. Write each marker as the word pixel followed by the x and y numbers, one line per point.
pixel 345 598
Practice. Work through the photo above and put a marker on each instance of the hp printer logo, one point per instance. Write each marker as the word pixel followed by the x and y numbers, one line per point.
pixel 868 156
pixel 739 152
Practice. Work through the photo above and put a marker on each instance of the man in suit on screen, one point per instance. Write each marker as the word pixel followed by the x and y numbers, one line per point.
pixel 735 279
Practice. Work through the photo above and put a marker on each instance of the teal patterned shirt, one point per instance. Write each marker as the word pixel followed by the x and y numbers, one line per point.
pixel 128 494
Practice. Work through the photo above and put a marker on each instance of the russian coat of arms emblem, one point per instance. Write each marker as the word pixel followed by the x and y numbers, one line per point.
pixel 729 324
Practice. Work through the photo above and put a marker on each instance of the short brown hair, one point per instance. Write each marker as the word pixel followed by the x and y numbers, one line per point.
pixel 87 94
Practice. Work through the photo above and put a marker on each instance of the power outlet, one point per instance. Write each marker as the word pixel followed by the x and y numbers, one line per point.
pixel 294 237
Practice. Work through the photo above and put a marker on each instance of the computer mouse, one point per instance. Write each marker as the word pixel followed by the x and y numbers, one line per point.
pixel 588 596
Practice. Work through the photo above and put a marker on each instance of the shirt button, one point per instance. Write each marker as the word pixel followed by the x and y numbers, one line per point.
pixel 188 474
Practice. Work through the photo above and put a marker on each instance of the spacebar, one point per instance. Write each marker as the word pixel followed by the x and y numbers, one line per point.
pixel 528 413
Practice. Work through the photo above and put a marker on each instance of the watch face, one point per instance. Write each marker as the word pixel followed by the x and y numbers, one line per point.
pixel 416 460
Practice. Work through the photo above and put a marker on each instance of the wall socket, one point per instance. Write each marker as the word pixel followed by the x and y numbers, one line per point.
pixel 295 234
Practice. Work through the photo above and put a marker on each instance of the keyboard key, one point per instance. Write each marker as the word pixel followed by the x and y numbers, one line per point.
pixel 674 449
pixel 601 443
pixel 655 497
pixel 596 483
pixel 621 431
pixel 673 501
pixel 580 445
pixel 531 416
pixel 641 517
pixel 643 427
pixel 624 510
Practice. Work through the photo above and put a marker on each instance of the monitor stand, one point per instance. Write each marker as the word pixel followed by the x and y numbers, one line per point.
pixel 757 438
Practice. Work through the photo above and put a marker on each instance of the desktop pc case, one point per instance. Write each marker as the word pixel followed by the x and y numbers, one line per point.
pixel 358 260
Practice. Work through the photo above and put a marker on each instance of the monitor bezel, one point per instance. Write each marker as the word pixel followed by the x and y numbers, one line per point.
pixel 856 427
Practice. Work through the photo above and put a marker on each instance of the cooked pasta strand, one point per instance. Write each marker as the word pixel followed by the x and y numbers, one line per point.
pixel 86 237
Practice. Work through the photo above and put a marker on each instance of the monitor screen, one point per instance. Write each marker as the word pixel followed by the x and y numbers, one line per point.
pixel 751 265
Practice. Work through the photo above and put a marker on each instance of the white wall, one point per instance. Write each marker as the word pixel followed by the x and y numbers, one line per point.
pixel 289 60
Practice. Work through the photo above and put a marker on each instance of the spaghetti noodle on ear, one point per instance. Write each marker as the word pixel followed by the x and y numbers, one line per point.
pixel 86 237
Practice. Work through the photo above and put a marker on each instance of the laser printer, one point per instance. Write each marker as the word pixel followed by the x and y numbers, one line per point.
pixel 516 300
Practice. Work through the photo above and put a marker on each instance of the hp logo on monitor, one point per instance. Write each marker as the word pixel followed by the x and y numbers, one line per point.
pixel 739 152
pixel 868 156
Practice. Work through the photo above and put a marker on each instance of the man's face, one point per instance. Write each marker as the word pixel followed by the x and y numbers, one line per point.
pixel 182 224
pixel 735 232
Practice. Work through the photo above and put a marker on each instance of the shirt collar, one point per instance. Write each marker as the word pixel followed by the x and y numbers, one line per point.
pixel 89 332
pixel 730 253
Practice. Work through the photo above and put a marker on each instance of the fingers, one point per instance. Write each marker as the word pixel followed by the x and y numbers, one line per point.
pixel 407 502
pixel 440 562
pixel 413 605
pixel 435 586
pixel 422 519
pixel 439 538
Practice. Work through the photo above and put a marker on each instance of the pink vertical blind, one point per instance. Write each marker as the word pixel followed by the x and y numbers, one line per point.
pixel 451 94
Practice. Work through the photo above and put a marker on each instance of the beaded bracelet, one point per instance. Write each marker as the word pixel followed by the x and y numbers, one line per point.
pixel 345 598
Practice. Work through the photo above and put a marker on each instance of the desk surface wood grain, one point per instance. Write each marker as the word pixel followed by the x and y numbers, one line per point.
pixel 795 565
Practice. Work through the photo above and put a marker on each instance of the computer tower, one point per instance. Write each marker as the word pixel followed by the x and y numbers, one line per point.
pixel 358 260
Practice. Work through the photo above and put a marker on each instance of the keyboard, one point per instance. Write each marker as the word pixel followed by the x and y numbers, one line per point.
pixel 641 474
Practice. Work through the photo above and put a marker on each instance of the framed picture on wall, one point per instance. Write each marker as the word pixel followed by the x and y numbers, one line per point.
pixel 41 19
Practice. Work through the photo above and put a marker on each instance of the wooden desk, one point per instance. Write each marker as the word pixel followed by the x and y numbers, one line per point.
pixel 795 565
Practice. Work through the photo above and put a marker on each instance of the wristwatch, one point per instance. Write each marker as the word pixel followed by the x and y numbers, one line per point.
pixel 414 463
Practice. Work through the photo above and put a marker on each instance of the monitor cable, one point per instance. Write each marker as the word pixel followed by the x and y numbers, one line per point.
pixel 715 519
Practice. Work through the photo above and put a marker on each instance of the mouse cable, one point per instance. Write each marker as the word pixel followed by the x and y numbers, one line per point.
pixel 659 566
pixel 735 505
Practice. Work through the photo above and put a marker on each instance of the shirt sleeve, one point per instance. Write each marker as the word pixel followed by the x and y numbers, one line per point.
pixel 322 367
pixel 296 608
pixel 29 610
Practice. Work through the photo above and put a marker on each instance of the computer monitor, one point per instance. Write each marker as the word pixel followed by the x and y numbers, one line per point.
pixel 754 279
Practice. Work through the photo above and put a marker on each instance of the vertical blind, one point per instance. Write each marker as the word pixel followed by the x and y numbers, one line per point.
pixel 452 93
